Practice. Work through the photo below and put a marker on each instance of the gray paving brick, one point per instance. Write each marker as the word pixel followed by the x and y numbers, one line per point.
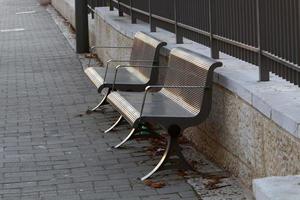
pixel 102 195
pixel 46 151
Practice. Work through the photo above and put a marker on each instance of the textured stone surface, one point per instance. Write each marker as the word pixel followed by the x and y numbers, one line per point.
pixel 277 188
pixel 66 8
pixel 109 37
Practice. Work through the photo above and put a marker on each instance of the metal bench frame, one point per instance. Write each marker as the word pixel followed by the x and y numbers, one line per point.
pixel 138 87
pixel 175 125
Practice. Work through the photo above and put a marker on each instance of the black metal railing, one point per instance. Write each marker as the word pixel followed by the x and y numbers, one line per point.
pixel 262 32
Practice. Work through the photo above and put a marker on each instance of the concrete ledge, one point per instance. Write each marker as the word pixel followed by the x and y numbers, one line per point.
pixel 277 188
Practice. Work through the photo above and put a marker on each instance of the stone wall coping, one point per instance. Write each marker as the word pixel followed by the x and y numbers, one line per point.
pixel 277 99
pixel 277 188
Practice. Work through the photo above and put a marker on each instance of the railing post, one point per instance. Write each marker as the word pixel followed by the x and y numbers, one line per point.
pixel 82 27
pixel 111 6
pixel 214 51
pixel 298 42
pixel 264 74
pixel 179 37
pixel 121 14
pixel 133 18
pixel 93 5
pixel 152 26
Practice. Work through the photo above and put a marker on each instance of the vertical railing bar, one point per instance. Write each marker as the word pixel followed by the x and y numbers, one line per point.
pixel 133 18
pixel 297 37
pixel 289 45
pixel 93 6
pixel 213 43
pixel 283 31
pixel 294 25
pixel 121 14
pixel 111 6
pixel 264 74
pixel 179 38
pixel 252 29
pixel 222 25
pixel 244 28
pixel 237 27
pixel 152 26
pixel 297 40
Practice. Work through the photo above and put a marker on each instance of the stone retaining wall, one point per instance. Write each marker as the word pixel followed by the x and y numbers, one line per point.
pixel 237 136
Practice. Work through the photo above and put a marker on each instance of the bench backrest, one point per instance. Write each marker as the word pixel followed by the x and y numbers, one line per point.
pixel 146 47
pixel 187 68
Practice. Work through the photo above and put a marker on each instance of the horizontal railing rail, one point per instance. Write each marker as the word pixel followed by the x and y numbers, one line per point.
pixel 262 32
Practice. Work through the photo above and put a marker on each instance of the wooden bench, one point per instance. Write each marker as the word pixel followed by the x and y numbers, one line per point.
pixel 145 51
pixel 184 100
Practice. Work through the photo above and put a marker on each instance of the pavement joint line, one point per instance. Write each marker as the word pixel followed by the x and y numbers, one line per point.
pixel 12 30
pixel 26 12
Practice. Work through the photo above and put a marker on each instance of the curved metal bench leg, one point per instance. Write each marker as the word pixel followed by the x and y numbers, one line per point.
pixel 129 136
pixel 115 124
pixel 162 161
pixel 102 102
pixel 173 149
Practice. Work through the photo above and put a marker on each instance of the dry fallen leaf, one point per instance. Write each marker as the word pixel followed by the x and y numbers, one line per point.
pixel 148 182
pixel 183 140
pixel 160 184
pixel 181 173
pixel 193 163
pixel 156 185
pixel 214 181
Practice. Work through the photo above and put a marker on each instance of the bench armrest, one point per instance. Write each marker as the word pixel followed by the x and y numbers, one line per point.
pixel 133 66
pixel 123 60
pixel 148 88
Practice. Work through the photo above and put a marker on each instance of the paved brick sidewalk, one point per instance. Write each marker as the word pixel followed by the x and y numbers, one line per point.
pixel 47 151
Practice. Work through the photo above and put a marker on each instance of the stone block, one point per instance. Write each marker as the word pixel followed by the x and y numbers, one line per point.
pixel 277 188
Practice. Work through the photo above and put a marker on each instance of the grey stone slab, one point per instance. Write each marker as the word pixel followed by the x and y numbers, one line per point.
pixel 277 188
